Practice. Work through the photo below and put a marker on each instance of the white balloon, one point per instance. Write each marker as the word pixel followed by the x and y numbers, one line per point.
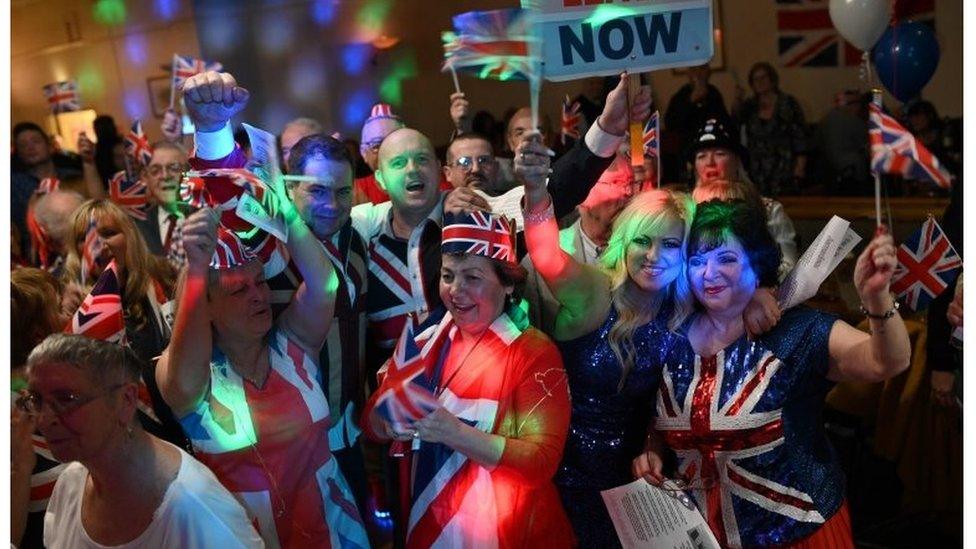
pixel 861 22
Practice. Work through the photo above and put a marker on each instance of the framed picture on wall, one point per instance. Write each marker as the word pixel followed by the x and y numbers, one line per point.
pixel 159 88
pixel 718 59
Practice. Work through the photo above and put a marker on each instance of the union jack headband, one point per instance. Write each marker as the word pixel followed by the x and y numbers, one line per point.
pixel 479 233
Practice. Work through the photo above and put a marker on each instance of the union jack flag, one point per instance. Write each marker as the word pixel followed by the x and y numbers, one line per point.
pixel 895 150
pixel 807 37
pixel 480 233
pixel 63 96
pixel 91 251
pixel 100 315
pixel 185 67
pixel 927 264
pixel 406 394
pixel 491 44
pixel 137 145
pixel 571 119
pixel 229 251
pixel 221 189
pixel 652 145
pixel 710 436
pixel 130 194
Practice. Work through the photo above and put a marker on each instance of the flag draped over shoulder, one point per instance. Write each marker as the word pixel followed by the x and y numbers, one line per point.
pixel 494 45
pixel 895 150
pixel 927 264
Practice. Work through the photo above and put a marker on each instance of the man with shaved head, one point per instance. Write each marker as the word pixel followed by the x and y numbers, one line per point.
pixel 53 214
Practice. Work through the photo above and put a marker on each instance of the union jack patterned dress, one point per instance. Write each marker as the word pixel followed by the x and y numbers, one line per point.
pixel 747 430
pixel 512 384
pixel 270 447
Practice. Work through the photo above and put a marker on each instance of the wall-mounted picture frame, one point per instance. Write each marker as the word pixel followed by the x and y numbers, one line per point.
pixel 159 89
pixel 718 25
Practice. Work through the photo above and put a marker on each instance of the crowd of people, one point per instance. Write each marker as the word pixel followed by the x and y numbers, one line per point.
pixel 403 351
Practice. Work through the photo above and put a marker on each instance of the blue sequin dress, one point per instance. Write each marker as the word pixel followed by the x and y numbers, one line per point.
pixel 607 427
pixel 747 430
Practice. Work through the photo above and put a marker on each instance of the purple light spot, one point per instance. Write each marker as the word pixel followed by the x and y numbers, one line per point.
pixel 133 101
pixel 355 57
pixel 135 49
pixel 357 108
pixel 323 11
pixel 166 9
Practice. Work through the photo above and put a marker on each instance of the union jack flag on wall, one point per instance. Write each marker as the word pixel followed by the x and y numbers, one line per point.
pixel 130 194
pixel 895 150
pixel 100 315
pixel 137 145
pixel 927 264
pixel 571 119
pixel 185 67
pixel 63 96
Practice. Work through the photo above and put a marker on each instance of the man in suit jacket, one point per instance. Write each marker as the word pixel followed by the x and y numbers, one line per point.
pixel 163 225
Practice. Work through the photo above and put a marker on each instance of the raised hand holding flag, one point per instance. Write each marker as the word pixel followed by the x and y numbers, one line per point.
pixel 185 67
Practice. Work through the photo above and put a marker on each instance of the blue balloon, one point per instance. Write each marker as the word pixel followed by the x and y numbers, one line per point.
pixel 905 58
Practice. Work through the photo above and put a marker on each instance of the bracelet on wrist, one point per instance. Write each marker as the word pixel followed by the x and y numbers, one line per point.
pixel 539 217
pixel 883 316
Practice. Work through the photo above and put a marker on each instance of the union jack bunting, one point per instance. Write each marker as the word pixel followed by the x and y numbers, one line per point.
pixel 137 145
pixel 571 119
pixel 100 315
pixel 491 44
pixel 48 185
pixel 895 150
pixel 406 394
pixel 63 96
pixel 185 67
pixel 927 264
pixel 91 250
pixel 807 37
pixel 479 233
pixel 712 446
pixel 130 194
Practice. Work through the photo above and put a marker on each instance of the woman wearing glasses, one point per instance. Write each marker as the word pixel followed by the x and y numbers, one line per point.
pixel 743 414
pixel 126 487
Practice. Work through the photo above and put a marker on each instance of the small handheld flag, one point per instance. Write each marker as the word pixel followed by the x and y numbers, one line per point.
pixel 137 146
pixel 130 194
pixel 927 264
pixel 63 96
pixel 895 150
pixel 571 118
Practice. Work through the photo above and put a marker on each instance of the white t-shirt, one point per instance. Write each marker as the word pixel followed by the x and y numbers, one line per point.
pixel 196 512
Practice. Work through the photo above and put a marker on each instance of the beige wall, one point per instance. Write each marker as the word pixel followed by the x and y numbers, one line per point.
pixel 42 53
pixel 54 40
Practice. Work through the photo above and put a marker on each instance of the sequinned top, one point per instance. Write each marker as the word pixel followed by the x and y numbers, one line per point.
pixel 746 427
pixel 607 426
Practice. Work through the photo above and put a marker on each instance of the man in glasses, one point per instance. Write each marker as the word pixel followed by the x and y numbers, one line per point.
pixel 163 225
pixel 381 123
pixel 471 163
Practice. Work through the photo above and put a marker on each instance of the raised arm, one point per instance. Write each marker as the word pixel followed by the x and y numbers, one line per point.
pixel 211 99
pixel 580 289
pixel 577 171
pixel 94 187
pixel 886 351
pixel 183 371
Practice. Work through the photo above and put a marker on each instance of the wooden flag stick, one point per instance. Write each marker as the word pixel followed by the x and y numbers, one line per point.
pixel 457 86
pixel 636 129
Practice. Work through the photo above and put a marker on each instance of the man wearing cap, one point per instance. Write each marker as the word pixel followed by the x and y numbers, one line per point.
pixel 718 157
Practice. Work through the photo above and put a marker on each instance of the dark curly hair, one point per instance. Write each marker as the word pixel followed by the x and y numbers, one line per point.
pixel 716 220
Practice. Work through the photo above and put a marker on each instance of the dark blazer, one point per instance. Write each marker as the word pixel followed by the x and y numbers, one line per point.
pixel 150 230
pixel 573 175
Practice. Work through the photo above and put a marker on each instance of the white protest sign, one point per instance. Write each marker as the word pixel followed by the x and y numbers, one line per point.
pixel 581 39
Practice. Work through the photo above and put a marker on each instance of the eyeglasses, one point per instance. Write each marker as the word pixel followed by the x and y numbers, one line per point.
pixel 676 488
pixel 466 163
pixel 373 145
pixel 33 403
pixel 176 168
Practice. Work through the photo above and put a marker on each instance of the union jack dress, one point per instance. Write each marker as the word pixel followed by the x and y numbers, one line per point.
pixel 747 430
pixel 270 447
pixel 511 384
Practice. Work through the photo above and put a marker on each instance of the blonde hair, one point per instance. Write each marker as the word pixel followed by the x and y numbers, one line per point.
pixel 141 267
pixel 646 214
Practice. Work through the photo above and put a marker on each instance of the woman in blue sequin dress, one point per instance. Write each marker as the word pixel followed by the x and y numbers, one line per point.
pixel 743 415
pixel 612 329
